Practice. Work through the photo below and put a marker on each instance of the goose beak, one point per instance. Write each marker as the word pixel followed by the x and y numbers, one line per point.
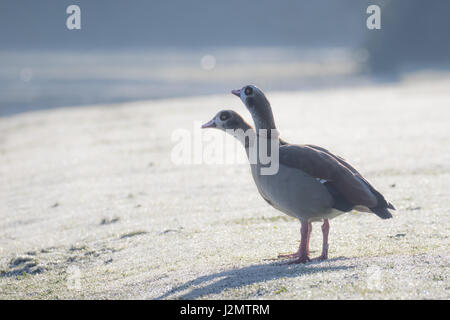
pixel 210 124
pixel 236 92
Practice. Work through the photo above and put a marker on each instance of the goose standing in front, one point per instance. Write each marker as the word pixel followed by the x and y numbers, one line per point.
pixel 311 183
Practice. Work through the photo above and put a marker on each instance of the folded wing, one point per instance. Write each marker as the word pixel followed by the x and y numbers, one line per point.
pixel 322 164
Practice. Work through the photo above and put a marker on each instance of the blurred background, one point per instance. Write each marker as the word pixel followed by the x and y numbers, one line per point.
pixel 92 120
pixel 138 50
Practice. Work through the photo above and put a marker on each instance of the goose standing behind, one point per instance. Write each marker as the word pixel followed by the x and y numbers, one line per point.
pixel 311 184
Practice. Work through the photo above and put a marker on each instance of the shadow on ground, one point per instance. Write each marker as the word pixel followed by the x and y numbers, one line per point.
pixel 245 276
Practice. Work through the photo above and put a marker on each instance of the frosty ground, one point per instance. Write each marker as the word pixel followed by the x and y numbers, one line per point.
pixel 92 205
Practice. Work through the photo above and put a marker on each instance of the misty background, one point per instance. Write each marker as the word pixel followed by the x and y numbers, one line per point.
pixel 157 49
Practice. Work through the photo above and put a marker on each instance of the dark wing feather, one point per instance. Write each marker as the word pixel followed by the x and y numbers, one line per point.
pixel 320 163
pixel 382 203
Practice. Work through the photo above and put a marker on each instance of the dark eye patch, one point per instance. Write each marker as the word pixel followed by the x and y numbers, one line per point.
pixel 224 116
pixel 248 91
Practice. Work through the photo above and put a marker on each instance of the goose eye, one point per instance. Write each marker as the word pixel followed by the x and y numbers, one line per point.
pixel 224 116
pixel 248 91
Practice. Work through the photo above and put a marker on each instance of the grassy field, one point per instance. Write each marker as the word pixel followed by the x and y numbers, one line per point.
pixel 91 205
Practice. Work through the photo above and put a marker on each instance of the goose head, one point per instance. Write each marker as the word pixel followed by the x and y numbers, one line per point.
pixel 258 106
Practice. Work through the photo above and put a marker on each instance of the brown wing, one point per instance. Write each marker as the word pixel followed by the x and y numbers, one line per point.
pixel 322 164
pixel 338 158
pixel 382 202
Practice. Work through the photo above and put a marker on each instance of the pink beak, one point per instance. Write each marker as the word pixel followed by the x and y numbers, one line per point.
pixel 209 124
pixel 236 92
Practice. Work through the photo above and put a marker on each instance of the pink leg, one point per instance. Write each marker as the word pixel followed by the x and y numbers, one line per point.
pixel 297 253
pixel 303 251
pixel 325 231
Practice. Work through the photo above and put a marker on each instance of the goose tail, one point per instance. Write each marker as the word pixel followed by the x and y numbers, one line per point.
pixel 383 213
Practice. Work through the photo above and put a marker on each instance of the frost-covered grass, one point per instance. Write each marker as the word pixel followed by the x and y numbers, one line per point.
pixel 91 205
